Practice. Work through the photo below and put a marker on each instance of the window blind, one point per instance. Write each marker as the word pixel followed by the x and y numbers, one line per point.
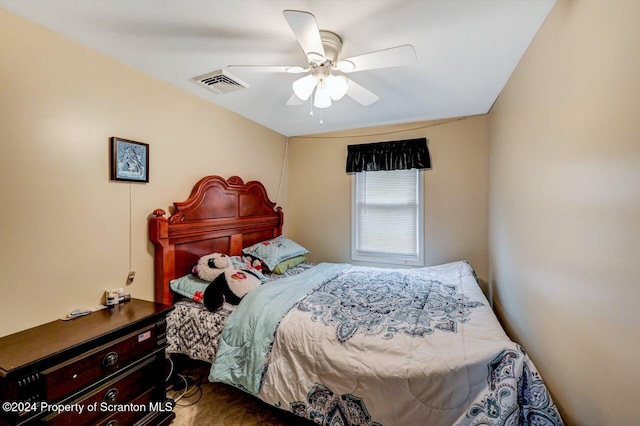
pixel 387 217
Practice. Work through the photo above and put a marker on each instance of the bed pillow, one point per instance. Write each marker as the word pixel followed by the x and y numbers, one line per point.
pixel 189 286
pixel 283 266
pixel 274 251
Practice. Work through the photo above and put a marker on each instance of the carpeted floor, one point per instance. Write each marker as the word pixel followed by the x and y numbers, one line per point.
pixel 205 403
pixel 224 405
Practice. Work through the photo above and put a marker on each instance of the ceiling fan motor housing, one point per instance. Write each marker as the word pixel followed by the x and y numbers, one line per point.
pixel 332 44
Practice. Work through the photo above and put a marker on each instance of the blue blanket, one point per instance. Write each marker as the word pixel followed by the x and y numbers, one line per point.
pixel 248 334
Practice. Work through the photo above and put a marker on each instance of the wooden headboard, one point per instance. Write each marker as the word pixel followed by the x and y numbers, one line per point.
pixel 221 216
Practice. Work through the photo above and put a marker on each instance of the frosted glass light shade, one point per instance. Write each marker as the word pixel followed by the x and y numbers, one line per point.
pixel 303 87
pixel 322 98
pixel 337 86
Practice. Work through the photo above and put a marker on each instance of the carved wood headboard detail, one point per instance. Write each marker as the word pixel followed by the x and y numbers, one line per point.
pixel 221 216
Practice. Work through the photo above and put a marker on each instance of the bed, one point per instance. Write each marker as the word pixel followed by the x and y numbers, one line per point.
pixel 338 343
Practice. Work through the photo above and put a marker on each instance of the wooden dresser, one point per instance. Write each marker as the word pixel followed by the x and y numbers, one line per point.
pixel 106 368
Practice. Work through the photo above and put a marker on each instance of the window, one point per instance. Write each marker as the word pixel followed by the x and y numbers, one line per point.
pixel 386 215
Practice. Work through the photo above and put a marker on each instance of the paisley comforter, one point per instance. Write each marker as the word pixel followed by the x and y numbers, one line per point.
pixel 350 345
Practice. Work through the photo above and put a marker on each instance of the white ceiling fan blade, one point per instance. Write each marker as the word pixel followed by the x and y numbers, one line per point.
pixel 306 30
pixel 270 68
pixel 360 94
pixel 294 101
pixel 392 57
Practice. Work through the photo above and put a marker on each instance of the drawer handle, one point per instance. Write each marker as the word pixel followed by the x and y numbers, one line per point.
pixel 110 396
pixel 110 359
pixel 112 423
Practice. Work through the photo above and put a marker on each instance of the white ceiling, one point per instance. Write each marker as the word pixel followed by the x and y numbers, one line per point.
pixel 466 50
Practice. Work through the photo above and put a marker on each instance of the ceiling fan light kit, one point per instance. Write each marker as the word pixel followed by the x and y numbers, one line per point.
pixel 322 52
pixel 322 81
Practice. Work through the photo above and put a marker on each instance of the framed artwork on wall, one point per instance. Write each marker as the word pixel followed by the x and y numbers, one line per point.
pixel 129 160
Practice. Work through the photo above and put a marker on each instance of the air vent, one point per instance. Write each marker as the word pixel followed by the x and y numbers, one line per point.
pixel 221 81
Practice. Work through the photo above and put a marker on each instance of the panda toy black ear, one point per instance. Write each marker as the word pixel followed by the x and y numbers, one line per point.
pixel 213 294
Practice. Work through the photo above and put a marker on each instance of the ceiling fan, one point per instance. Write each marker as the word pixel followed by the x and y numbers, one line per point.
pixel 325 67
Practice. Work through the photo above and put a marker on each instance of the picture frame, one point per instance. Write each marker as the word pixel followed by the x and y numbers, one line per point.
pixel 129 160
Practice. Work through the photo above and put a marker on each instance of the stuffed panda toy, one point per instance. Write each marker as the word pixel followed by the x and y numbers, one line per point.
pixel 227 284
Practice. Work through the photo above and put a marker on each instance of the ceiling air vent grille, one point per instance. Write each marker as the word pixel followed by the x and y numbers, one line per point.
pixel 221 81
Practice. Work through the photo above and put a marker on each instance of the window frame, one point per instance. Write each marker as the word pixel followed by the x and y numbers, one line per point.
pixel 389 258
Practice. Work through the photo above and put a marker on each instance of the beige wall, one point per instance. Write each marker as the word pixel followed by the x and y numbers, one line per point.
pixel 455 191
pixel 560 149
pixel 565 208
pixel 64 228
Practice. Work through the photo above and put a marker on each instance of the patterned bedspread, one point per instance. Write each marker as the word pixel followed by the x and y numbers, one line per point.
pixel 385 346
pixel 194 331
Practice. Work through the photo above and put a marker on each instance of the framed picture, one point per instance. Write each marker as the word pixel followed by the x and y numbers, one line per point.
pixel 129 160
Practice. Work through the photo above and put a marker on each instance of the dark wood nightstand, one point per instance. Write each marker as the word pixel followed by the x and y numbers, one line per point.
pixel 106 368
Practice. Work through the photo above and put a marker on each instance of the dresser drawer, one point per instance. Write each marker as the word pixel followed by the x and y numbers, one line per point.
pixel 102 402
pixel 129 417
pixel 65 378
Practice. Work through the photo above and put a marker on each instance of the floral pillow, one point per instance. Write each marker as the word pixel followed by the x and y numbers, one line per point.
pixel 274 251
pixel 189 286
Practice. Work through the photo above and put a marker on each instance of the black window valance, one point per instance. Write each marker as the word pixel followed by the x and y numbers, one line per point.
pixel 396 155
